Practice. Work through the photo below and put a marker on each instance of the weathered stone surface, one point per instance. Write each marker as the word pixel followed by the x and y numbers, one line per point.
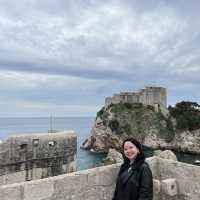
pixel 113 156
pixel 186 175
pixel 188 141
pixel 40 189
pixel 157 152
pixel 70 185
pixel 156 189
pixel 167 154
pixel 153 163
pixel 156 186
pixel 104 177
pixel 35 156
pixel 11 192
pixel 101 139
pixel 148 96
pixel 99 183
pixel 169 186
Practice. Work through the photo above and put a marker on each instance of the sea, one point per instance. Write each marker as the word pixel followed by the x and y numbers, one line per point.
pixel 82 127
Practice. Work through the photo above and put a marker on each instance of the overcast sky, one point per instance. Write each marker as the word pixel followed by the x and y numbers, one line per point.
pixel 63 57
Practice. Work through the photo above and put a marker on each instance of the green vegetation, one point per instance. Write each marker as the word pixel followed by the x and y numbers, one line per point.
pixel 124 107
pixel 113 124
pixel 132 119
pixel 103 114
pixel 128 105
pixel 127 128
pixel 138 120
pixel 187 115
pixel 100 113
pixel 151 107
pixel 137 105
pixel 120 107
pixel 165 126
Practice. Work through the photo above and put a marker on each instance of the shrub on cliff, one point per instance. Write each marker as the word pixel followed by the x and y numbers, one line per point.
pixel 124 107
pixel 100 113
pixel 165 126
pixel 113 124
pixel 128 105
pixel 136 120
pixel 187 115
pixel 120 107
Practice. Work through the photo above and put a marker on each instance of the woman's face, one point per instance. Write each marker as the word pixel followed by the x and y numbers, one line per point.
pixel 130 150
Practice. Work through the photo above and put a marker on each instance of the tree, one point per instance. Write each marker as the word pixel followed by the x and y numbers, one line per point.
pixel 187 115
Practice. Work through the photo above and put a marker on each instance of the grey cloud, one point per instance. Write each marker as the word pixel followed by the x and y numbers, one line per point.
pixel 125 44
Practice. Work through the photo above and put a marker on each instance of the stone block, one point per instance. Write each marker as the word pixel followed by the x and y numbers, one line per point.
pixel 156 186
pixel 42 189
pixel 10 192
pixel 104 176
pixel 167 154
pixel 70 185
pixel 152 161
pixel 37 173
pixel 169 186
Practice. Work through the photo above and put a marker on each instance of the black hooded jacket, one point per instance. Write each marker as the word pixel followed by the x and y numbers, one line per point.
pixel 134 181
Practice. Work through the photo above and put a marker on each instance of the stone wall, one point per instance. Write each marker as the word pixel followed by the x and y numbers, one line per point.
pixel 148 96
pixel 36 156
pixel 172 181
pixel 153 95
pixel 187 178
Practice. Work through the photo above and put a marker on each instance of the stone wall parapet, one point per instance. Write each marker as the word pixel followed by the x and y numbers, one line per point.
pixel 172 180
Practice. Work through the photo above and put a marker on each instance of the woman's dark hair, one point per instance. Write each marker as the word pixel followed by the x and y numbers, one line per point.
pixel 140 157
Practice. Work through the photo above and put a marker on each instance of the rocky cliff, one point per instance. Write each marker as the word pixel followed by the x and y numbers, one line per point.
pixel 154 128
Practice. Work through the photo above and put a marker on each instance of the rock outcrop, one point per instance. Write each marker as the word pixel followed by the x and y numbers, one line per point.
pixel 153 128
pixel 113 157
pixel 167 154
pixel 186 141
pixel 101 139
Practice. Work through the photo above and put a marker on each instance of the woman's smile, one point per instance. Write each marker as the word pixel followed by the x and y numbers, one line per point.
pixel 130 150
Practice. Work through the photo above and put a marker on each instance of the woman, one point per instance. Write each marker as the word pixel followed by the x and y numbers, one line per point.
pixel 134 180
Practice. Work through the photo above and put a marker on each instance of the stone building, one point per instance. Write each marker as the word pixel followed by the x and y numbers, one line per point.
pixel 155 96
pixel 35 156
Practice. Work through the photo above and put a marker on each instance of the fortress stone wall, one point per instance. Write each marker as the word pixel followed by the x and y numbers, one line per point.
pixel 147 96
pixel 36 156
pixel 172 181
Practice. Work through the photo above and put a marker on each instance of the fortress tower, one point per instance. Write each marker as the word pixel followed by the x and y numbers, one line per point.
pixel 155 96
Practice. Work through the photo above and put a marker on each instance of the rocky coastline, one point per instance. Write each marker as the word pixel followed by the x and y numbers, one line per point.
pixel 149 128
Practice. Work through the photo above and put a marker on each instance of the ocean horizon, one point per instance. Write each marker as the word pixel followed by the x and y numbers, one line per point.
pixel 31 125
pixel 82 127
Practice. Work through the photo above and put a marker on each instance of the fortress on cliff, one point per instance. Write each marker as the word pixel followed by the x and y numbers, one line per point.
pixel 155 96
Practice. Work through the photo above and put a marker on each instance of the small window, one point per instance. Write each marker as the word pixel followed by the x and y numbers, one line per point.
pixel 35 142
pixel 52 143
pixel 23 146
